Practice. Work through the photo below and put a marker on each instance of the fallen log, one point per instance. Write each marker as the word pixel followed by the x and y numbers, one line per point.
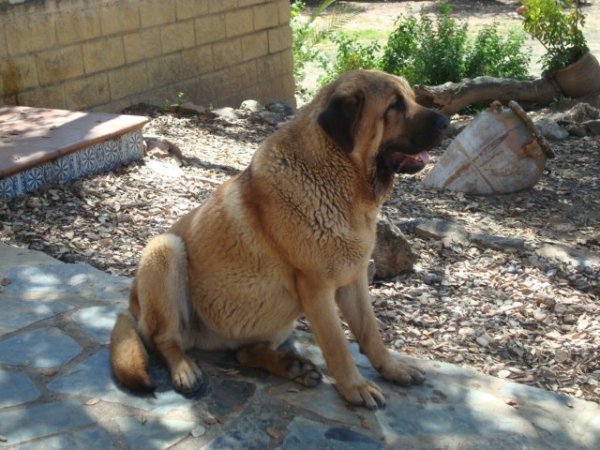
pixel 452 97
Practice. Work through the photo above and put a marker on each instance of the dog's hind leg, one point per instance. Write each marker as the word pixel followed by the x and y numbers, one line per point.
pixel 286 364
pixel 162 283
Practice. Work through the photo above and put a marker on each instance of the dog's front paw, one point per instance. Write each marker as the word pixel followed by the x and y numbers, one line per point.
pixel 187 376
pixel 362 392
pixel 402 374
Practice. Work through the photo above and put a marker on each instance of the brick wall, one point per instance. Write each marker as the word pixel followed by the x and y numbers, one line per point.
pixel 104 55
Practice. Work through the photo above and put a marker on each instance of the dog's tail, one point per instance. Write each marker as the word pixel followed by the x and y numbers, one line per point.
pixel 128 355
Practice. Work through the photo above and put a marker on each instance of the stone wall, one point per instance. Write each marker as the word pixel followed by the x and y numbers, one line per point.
pixel 104 55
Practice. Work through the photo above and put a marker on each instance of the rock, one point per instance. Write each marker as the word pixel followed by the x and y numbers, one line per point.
pixel 252 106
pixel 282 108
pixel 392 253
pixel 431 278
pixel 498 243
pixel 410 226
pixel 551 130
pixel 272 118
pixel 371 271
pixel 568 255
pixel 442 229
pixel 576 129
pixel 593 127
pixel 450 233
pixel 582 112
pixel 227 113
pixel 188 108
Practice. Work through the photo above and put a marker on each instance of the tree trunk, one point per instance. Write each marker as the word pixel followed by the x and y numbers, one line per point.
pixel 451 97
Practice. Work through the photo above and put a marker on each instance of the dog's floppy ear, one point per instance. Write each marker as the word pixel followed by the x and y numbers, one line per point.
pixel 340 118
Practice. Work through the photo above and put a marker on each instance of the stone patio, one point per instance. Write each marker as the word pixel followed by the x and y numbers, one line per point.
pixel 57 391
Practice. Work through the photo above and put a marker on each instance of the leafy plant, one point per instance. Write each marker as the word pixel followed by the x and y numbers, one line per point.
pixel 350 55
pixel 557 29
pixel 307 34
pixel 493 55
pixel 428 51
pixel 169 105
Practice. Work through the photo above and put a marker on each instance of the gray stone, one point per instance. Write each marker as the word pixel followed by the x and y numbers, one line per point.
pixel 271 118
pixel 94 378
pixel 593 127
pixel 575 129
pixel 583 112
pixel 52 281
pixel 22 257
pixel 440 229
pixel 22 425
pixel 371 271
pixel 247 434
pixel 98 321
pixel 17 314
pixel 306 434
pixel 153 434
pixel 252 106
pixel 89 439
pixel 551 130
pixel 498 243
pixel 568 255
pixel 279 107
pixel 392 254
pixel 16 388
pixel 42 348
pixel 189 108
pixel 226 113
pixel 399 420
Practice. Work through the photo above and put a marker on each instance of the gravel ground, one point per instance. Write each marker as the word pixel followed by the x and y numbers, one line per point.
pixel 524 315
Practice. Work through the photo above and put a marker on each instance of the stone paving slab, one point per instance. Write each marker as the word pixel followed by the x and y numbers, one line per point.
pixel 57 391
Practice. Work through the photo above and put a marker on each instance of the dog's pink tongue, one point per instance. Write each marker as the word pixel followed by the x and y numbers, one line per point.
pixel 423 156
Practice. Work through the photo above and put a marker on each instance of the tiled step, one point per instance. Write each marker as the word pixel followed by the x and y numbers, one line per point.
pixel 40 147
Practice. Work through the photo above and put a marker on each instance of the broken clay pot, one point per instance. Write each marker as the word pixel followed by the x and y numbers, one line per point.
pixel 499 152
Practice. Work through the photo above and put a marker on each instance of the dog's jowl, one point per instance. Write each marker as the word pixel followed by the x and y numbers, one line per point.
pixel 289 236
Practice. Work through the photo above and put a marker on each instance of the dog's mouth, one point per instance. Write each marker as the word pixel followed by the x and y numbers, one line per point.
pixel 408 164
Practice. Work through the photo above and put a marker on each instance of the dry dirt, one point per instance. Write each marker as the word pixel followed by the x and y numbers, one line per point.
pixel 512 314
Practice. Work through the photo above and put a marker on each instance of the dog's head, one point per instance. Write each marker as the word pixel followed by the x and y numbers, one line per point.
pixel 375 116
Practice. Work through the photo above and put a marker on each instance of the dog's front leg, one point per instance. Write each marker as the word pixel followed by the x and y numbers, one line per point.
pixel 319 307
pixel 354 302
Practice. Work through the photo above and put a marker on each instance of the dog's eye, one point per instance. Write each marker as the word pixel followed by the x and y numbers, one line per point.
pixel 398 105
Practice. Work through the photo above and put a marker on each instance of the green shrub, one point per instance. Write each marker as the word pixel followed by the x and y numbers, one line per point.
pixel 350 55
pixel 496 56
pixel 422 49
pixel 428 51
pixel 307 34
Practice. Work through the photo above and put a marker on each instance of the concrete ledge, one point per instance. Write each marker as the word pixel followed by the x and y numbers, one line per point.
pixel 45 146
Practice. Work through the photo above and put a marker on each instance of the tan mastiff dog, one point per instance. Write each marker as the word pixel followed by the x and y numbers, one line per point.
pixel 289 236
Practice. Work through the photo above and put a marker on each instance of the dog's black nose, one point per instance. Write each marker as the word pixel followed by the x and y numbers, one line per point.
pixel 441 123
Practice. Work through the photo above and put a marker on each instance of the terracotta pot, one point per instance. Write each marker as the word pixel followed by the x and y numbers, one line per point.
pixel 580 78
pixel 499 152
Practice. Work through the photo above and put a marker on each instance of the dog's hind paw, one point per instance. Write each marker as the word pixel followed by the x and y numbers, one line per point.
pixel 286 364
pixel 304 372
